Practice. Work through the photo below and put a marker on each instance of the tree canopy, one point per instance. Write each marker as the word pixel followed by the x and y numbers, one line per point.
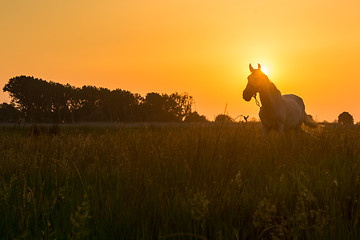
pixel 37 100
pixel 8 113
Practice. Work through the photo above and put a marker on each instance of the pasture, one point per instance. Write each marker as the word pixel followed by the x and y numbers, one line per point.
pixel 179 182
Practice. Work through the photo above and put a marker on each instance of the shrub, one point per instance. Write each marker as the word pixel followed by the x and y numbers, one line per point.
pixel 346 118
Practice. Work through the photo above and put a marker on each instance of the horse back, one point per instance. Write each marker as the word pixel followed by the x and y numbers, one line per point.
pixel 293 98
pixel 295 111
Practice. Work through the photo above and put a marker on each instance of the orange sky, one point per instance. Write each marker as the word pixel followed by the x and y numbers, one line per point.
pixel 310 48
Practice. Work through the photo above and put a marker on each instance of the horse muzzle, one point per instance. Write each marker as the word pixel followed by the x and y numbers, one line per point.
pixel 247 95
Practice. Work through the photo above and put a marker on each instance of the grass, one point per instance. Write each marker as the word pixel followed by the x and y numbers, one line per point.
pixel 179 182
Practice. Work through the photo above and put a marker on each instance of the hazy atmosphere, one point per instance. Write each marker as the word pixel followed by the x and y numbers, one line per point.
pixel 136 119
pixel 310 48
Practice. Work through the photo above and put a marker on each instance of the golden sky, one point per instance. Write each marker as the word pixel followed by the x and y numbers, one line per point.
pixel 203 47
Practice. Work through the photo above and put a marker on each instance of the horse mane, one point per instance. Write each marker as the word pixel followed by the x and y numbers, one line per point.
pixel 273 88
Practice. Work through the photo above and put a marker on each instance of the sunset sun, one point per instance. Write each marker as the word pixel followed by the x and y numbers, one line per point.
pixel 265 70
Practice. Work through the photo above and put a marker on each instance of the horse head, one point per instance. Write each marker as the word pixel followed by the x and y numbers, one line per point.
pixel 255 80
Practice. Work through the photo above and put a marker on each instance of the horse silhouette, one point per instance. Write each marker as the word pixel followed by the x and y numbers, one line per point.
pixel 277 112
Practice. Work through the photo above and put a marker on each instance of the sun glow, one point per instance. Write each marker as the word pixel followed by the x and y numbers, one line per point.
pixel 266 65
pixel 265 70
pixel 269 69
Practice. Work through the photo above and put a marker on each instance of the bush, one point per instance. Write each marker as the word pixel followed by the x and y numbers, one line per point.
pixel 223 118
pixel 346 118
pixel 195 117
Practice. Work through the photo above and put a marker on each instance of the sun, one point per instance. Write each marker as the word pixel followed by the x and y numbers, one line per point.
pixel 266 67
pixel 265 70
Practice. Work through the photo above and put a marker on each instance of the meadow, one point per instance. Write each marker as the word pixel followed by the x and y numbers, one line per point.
pixel 184 181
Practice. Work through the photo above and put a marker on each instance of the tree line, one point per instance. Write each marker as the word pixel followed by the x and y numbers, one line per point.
pixel 39 101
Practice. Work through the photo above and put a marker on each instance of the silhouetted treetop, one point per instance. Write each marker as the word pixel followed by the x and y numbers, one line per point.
pixel 42 101
pixel 195 117
pixel 163 107
pixel 8 113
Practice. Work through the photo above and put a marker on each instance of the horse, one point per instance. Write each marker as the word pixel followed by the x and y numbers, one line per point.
pixel 278 112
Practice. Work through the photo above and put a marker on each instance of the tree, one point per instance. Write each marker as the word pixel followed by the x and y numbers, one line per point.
pixel 8 113
pixel 223 118
pixel 184 104
pixel 33 96
pixel 195 117
pixel 39 100
pixel 345 118
pixel 121 105
pixel 42 101
pixel 58 95
pixel 159 108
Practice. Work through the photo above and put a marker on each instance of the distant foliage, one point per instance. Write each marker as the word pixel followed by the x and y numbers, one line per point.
pixel 41 101
pixel 195 117
pixel 346 118
pixel 223 118
pixel 166 108
pixel 9 113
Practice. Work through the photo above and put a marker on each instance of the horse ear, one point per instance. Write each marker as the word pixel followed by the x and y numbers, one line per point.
pixel 251 68
pixel 259 66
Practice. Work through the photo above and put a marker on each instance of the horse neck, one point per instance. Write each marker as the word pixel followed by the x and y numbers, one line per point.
pixel 270 96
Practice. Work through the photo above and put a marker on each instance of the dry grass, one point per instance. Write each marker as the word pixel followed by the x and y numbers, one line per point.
pixel 179 182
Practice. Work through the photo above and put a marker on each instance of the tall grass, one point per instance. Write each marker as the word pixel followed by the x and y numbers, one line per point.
pixel 179 182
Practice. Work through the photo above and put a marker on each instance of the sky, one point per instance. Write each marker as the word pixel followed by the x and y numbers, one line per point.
pixel 202 47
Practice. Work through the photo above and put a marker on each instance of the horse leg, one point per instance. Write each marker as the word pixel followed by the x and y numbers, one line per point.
pixel 298 131
pixel 265 131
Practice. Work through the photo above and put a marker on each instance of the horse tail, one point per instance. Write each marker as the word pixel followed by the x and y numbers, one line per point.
pixel 308 121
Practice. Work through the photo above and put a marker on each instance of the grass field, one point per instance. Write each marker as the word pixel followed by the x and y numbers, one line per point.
pixel 179 182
